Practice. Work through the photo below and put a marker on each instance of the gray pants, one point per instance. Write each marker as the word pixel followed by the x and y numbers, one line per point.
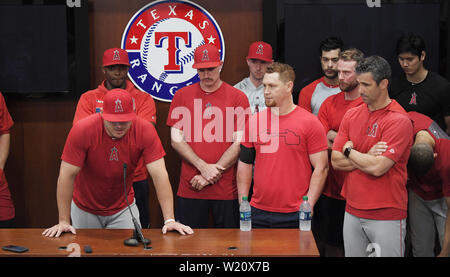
pixel 425 218
pixel 120 220
pixel 373 238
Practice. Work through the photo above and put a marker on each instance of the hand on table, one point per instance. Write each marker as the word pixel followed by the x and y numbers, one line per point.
pixel 176 226
pixel 58 229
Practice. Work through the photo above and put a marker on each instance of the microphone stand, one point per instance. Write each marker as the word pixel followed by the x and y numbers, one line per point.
pixel 137 237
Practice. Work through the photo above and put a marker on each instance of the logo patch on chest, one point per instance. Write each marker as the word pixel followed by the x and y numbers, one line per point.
pixel 413 100
pixel 114 156
pixel 372 132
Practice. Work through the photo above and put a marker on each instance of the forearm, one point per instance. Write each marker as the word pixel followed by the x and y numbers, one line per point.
pixel 318 178
pixel 340 162
pixel 165 197
pixel 243 179
pixel 4 149
pixel 230 156
pixel 64 193
pixel 64 199
pixel 369 164
pixel 331 135
pixel 186 153
pixel 163 188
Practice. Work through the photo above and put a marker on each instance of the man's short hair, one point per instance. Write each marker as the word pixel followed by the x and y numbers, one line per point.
pixel 331 43
pixel 286 71
pixel 412 43
pixel 421 158
pixel 352 54
pixel 376 65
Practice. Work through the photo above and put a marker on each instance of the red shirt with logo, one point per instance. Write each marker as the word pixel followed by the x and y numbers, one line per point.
pixel 436 182
pixel 92 102
pixel 99 186
pixel 208 121
pixel 282 167
pixel 367 196
pixel 7 211
pixel 330 115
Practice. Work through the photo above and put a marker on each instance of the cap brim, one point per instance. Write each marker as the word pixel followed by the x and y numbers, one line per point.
pixel 119 117
pixel 206 65
pixel 259 58
pixel 115 63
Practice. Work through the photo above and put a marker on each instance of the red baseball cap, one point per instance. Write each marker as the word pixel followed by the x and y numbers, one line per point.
pixel 118 106
pixel 206 56
pixel 260 50
pixel 115 56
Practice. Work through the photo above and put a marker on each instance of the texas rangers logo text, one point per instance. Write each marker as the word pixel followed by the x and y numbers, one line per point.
pixel 161 39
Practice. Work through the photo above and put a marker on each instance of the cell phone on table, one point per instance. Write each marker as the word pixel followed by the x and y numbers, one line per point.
pixel 15 248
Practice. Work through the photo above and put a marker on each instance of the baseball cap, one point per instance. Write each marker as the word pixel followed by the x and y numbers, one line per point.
pixel 115 56
pixel 206 56
pixel 260 50
pixel 118 106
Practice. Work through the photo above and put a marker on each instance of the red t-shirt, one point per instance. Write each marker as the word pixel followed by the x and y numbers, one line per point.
pixel 99 187
pixel 432 185
pixel 367 196
pixel 330 115
pixel 208 122
pixel 92 102
pixel 7 211
pixel 282 167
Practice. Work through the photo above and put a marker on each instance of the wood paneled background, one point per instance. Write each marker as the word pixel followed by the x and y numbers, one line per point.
pixel 42 124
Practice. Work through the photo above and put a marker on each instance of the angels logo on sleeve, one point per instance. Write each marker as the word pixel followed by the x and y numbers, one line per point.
pixel 161 39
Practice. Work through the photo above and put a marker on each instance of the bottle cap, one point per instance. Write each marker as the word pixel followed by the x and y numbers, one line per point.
pixel 305 198
pixel 245 198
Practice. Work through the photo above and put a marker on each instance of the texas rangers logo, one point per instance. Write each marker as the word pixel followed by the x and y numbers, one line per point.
pixel 161 39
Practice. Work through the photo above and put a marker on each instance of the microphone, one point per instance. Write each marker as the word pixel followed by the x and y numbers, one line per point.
pixel 137 233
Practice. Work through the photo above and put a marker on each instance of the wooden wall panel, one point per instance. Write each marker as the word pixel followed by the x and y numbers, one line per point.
pixel 37 139
pixel 41 125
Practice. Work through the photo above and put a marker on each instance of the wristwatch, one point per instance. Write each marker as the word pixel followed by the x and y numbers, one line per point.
pixel 347 151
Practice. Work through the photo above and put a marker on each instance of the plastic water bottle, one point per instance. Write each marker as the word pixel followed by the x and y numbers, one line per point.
pixel 305 215
pixel 245 215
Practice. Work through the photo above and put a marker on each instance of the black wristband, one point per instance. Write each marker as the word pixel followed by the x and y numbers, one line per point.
pixel 247 155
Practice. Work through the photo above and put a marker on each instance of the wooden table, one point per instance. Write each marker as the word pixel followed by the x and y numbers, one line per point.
pixel 203 243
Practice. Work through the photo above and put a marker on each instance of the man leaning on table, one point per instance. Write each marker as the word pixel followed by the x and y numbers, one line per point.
pixel 90 188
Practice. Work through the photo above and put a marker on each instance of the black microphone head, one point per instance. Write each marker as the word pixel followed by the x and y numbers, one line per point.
pixel 124 165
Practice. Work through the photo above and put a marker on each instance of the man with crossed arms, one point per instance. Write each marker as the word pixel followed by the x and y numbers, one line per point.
pixel 375 186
